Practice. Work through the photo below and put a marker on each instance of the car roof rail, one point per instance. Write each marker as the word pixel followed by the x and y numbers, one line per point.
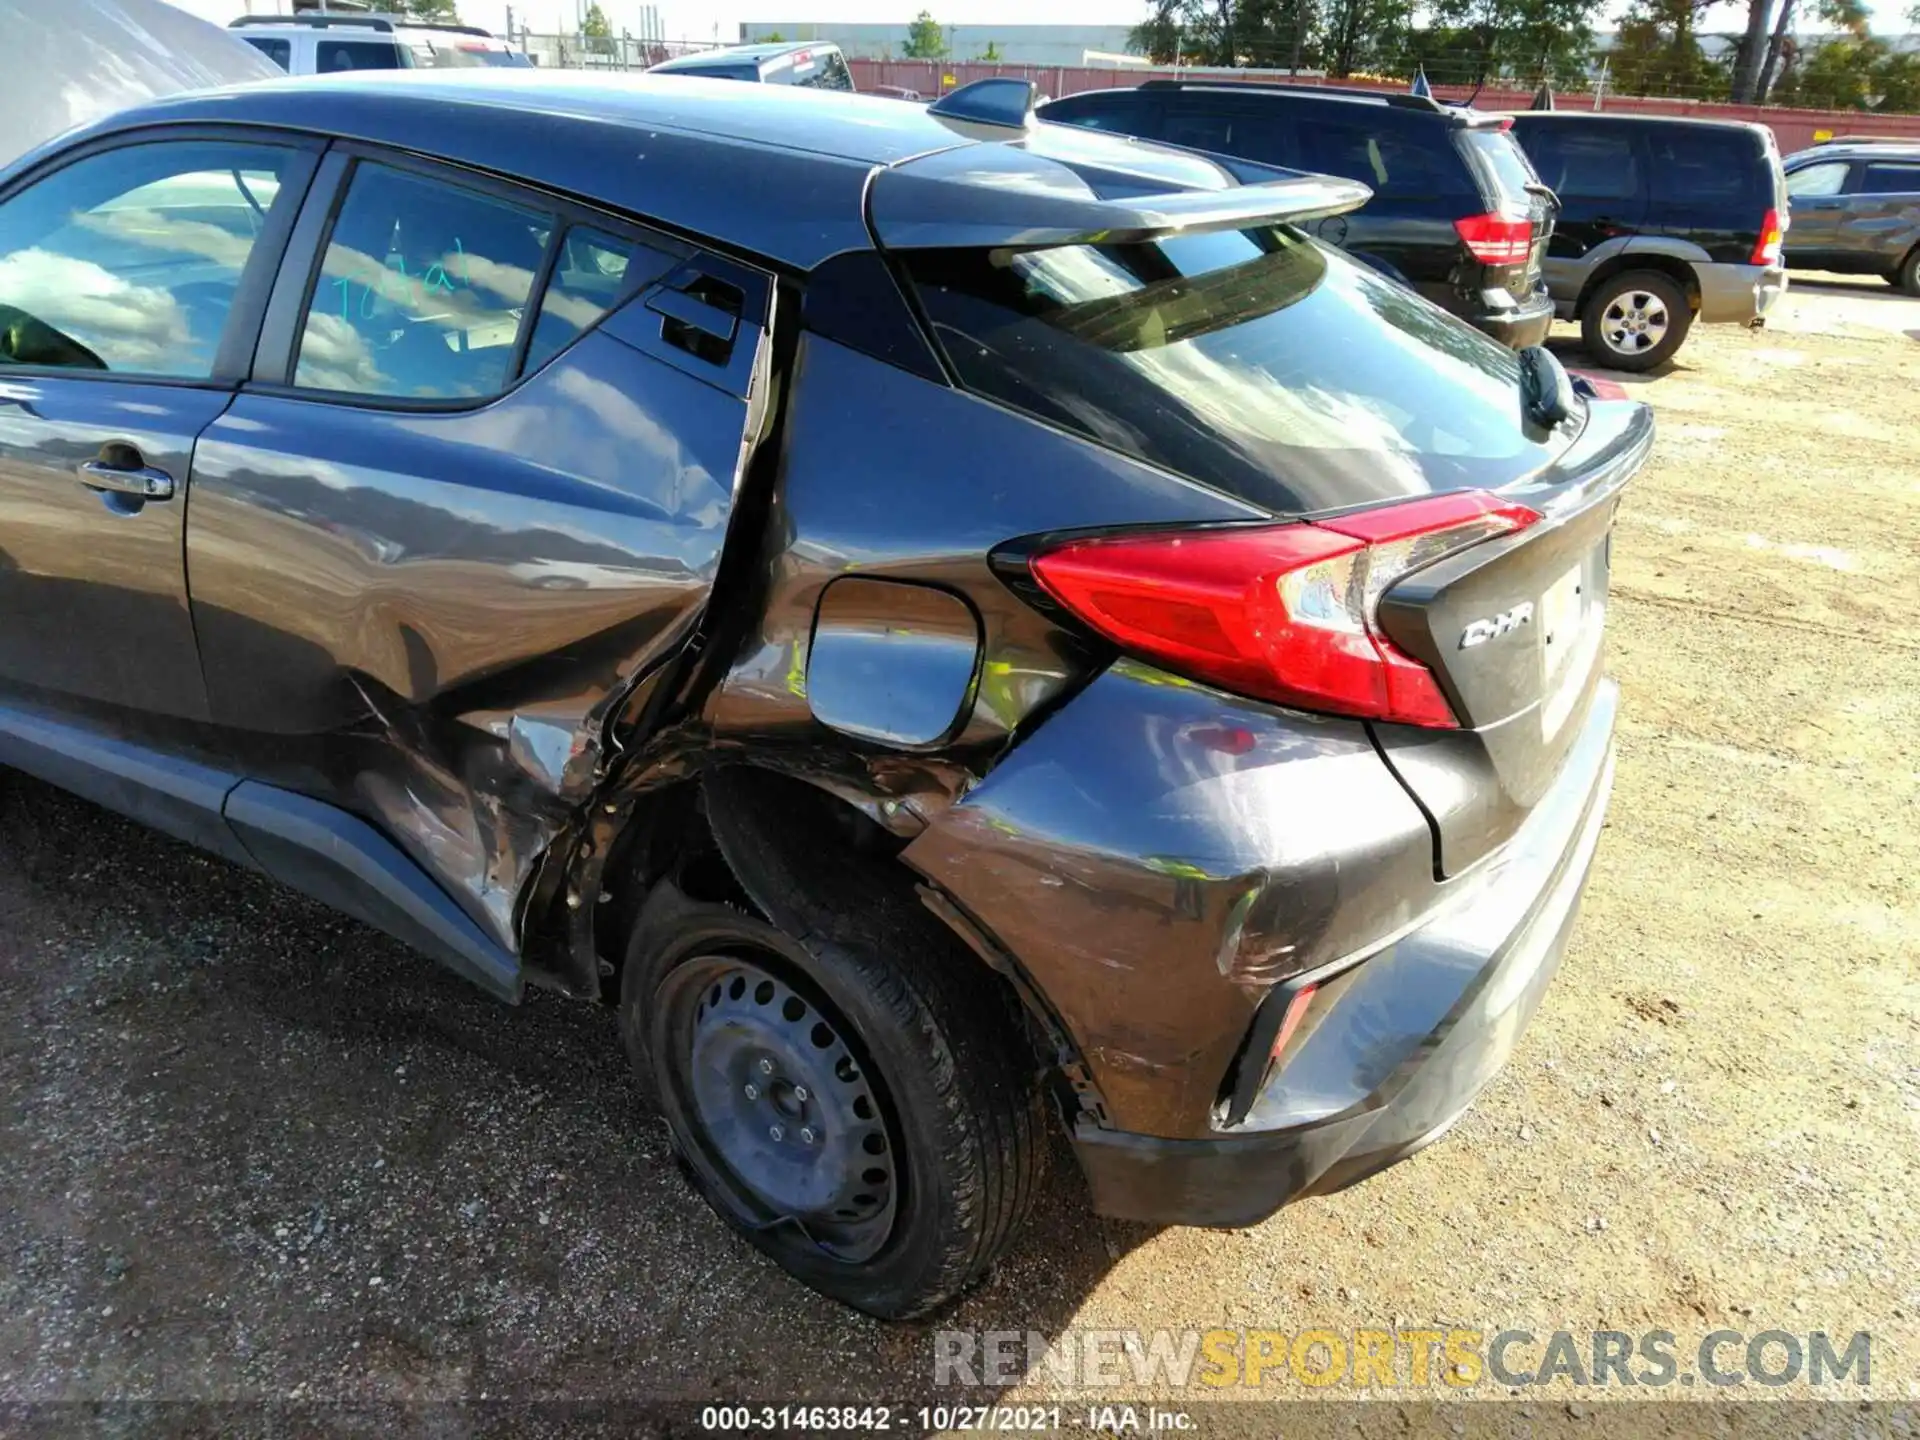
pixel 386 24
pixel 997 100
pixel 317 22
pixel 1912 142
pixel 1395 99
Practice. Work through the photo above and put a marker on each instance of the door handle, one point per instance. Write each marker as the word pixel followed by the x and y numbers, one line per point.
pixel 140 482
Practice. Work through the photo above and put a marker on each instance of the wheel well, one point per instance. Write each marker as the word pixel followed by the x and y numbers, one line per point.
pixel 1682 273
pixel 810 863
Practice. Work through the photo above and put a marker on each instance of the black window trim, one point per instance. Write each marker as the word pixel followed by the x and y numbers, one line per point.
pixel 299 273
pixel 239 336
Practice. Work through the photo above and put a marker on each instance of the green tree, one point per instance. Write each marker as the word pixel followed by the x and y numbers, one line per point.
pixel 442 12
pixel 597 31
pixel 1839 75
pixel 991 55
pixel 773 37
pixel 925 39
pixel 1657 52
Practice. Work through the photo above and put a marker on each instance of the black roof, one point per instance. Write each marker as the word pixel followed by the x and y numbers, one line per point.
pixel 774 170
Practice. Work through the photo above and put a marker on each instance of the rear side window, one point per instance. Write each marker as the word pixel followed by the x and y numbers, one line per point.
pixel 1245 133
pixel 1891 179
pixel 1118 117
pixel 1817 180
pixel 1251 360
pixel 594 273
pixel 826 72
pixel 278 51
pixel 1502 162
pixel 333 56
pixel 1398 165
pixel 128 261
pixel 421 290
pixel 1597 164
pixel 1703 166
pixel 722 72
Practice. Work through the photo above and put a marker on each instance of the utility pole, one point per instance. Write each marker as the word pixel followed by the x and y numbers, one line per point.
pixel 1600 82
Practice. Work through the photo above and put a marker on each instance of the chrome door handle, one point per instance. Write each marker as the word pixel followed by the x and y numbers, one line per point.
pixel 143 483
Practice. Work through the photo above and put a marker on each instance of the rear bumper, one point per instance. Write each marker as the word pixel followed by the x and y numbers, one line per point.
pixel 1397 1045
pixel 1519 326
pixel 1739 294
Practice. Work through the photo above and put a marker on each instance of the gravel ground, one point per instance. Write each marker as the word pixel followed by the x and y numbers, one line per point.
pixel 256 1151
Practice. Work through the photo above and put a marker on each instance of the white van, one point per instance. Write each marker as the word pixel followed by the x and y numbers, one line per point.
pixel 327 44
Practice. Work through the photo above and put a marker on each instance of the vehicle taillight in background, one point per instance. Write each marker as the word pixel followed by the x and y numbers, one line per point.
pixel 1773 232
pixel 1280 612
pixel 1497 239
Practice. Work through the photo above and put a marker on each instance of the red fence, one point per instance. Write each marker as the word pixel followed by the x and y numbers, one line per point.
pixel 1792 129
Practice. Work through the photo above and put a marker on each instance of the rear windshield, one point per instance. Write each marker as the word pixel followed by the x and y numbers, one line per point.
pixel 1499 158
pixel 1252 360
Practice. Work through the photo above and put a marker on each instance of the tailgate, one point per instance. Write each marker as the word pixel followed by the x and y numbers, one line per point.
pixel 1514 630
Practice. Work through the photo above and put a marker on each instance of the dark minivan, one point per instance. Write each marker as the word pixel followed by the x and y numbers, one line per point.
pixel 1457 213
pixel 1662 222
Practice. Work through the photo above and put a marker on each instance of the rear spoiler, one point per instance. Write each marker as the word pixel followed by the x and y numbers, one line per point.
pixel 1061 185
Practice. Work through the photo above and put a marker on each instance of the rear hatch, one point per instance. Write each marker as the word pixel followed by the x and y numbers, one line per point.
pixel 1435 564
pixel 1511 239
pixel 1513 629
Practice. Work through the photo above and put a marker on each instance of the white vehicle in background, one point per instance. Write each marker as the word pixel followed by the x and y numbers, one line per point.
pixel 327 44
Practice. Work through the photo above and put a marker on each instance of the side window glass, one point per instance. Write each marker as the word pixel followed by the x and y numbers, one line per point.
pixel 1394 166
pixel 421 290
pixel 332 56
pixel 128 260
pixel 1198 129
pixel 1695 167
pixel 593 273
pixel 1817 180
pixel 1593 166
pixel 1892 180
pixel 278 51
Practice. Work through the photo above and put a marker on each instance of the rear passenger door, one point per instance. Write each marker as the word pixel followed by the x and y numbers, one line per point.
pixel 1816 205
pixel 1881 220
pixel 1598 171
pixel 474 491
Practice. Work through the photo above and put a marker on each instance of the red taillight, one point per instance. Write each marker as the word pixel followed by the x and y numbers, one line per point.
pixel 1280 612
pixel 1290 1022
pixel 1496 239
pixel 1773 232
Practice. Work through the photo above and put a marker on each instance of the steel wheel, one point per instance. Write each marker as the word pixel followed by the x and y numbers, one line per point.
pixel 781 1113
pixel 1635 322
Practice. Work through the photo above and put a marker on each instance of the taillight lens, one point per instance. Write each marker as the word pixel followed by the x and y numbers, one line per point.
pixel 1773 233
pixel 1280 612
pixel 1496 239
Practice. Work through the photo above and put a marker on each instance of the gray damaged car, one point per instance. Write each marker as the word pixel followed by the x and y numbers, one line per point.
pixel 951 624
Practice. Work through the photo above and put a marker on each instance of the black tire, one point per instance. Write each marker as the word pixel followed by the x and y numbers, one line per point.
pixel 1906 275
pixel 1617 339
pixel 935 1043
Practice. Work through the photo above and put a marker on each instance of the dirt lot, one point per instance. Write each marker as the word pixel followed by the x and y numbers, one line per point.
pixel 253 1150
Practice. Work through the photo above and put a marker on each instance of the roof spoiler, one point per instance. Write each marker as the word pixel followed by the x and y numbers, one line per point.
pixel 987 196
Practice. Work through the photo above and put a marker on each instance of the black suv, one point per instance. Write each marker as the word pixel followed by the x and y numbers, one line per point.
pixel 1662 222
pixel 1457 213
pixel 1856 209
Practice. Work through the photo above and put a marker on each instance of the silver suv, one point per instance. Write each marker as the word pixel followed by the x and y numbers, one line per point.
pixel 329 44
pixel 1856 209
